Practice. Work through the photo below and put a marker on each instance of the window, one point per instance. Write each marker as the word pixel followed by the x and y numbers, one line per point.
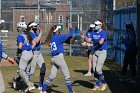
pixel 57 1
pixel 37 18
pixel 60 18
pixel 48 1
pixel 22 19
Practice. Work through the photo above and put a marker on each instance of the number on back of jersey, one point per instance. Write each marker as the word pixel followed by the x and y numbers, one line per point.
pixel 53 46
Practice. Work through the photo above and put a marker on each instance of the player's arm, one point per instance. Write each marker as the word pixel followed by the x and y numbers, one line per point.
pixel 103 38
pixel 85 38
pixel 37 40
pixel 64 37
pixel 5 56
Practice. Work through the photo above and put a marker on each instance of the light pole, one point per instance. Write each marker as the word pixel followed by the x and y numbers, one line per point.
pixel 0 9
pixel 38 12
pixel 70 20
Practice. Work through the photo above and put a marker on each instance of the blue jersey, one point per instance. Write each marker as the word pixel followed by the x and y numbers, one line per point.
pixel 22 38
pixel 88 35
pixel 96 37
pixel 0 50
pixel 57 41
pixel 37 46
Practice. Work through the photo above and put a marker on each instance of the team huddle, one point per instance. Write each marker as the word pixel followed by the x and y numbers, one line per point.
pixel 29 55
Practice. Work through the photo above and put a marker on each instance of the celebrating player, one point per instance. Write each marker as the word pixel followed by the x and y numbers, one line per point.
pixel 57 60
pixel 88 35
pixel 26 44
pixel 21 27
pixel 37 57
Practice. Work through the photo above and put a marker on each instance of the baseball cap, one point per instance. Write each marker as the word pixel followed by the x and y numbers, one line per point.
pixel 98 22
pixel 92 25
pixel 33 24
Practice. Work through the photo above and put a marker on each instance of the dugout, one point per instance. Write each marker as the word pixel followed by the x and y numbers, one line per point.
pixel 120 19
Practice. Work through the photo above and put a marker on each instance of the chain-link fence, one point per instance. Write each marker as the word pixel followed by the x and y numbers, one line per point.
pixel 49 12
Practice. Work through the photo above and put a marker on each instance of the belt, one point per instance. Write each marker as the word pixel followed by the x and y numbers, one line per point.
pixel 26 50
pixel 36 49
pixel 55 54
pixel 100 49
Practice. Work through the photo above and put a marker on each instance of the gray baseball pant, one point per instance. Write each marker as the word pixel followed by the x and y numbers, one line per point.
pixel 37 59
pixel 99 58
pixel 25 59
pixel 59 62
pixel 2 86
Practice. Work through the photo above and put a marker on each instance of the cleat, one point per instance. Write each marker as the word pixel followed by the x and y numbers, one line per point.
pixel 43 92
pixel 29 89
pixel 88 74
pixel 14 83
pixel 39 88
pixel 95 88
pixel 103 87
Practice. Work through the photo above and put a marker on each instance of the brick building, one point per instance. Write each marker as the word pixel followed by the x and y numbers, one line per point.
pixel 50 12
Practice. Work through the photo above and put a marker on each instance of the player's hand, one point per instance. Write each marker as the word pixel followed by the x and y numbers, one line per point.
pixel 84 44
pixel 70 25
pixel 82 35
pixel 40 31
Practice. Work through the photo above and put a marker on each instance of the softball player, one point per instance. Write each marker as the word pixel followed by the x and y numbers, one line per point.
pixel 57 60
pixel 88 35
pixel 25 43
pixel 21 28
pixel 37 57
pixel 5 56
pixel 99 38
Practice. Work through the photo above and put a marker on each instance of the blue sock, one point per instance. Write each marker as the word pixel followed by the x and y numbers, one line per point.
pixel 97 82
pixel 69 85
pixel 28 74
pixel 45 86
pixel 41 83
pixel 18 78
pixel 102 78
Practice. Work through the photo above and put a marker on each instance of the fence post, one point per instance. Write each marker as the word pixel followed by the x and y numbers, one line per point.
pixel 70 50
pixel 138 33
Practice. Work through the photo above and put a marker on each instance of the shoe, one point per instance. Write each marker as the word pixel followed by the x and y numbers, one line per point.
pixel 103 87
pixel 14 83
pixel 30 88
pixel 39 88
pixel 43 92
pixel 95 88
pixel 88 74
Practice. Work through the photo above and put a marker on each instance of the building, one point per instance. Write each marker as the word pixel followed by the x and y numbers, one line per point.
pixel 47 13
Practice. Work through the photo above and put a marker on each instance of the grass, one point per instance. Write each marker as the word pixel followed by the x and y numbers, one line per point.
pixel 77 67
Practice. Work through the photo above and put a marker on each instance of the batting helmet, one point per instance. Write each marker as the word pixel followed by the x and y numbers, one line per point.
pixel 22 25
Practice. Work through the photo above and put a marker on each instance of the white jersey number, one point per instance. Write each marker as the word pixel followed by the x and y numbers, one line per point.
pixel 53 46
